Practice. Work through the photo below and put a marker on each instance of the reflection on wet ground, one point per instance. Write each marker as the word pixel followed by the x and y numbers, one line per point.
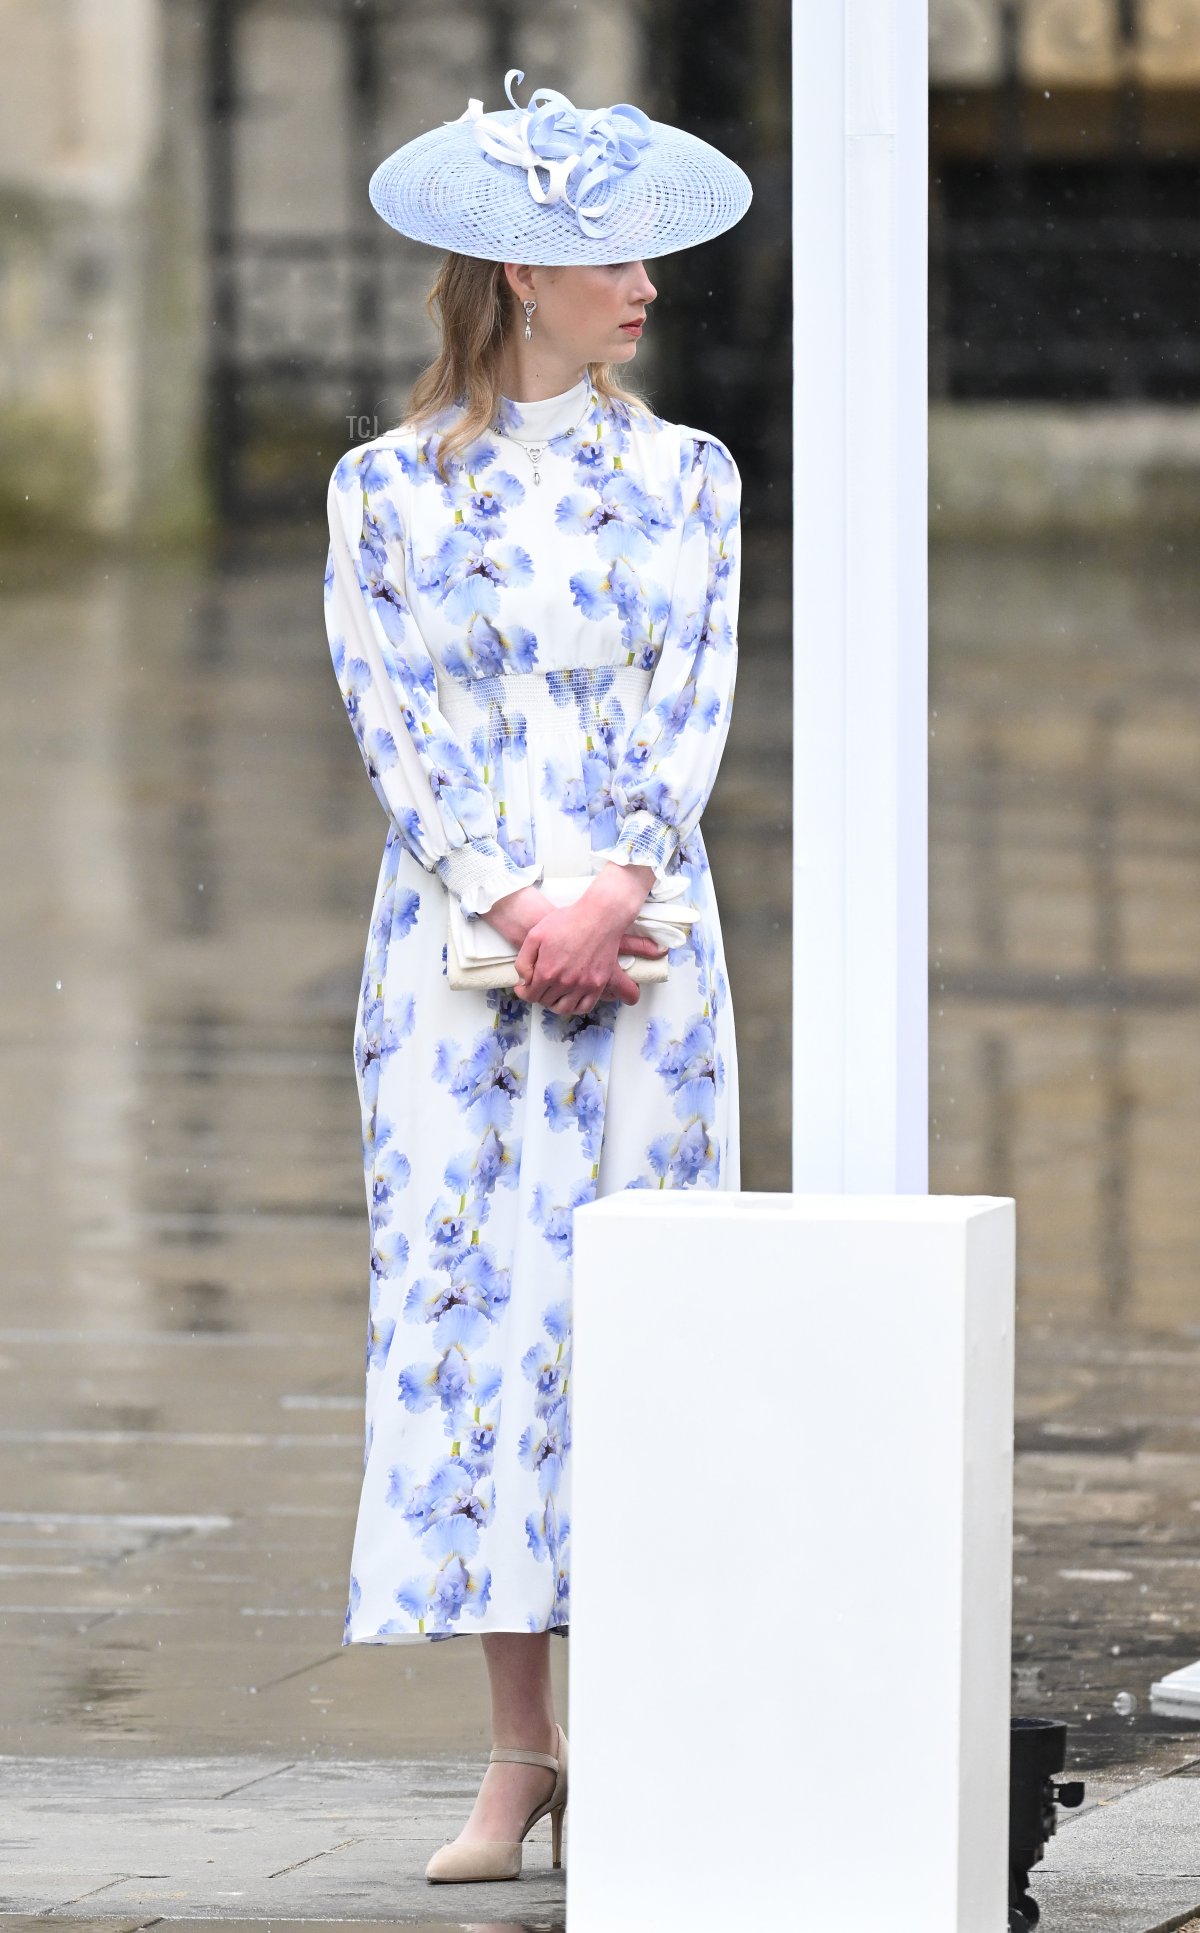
pixel 254 1837
pixel 137 1923
pixel 35 1923
pixel 1065 1070
pixel 190 852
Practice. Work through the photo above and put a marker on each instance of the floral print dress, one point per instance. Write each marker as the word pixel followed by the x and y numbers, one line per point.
pixel 537 658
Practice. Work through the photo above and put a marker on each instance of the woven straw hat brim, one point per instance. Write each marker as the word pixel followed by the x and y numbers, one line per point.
pixel 441 188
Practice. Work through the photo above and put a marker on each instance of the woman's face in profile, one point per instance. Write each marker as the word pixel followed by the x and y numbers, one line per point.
pixel 584 309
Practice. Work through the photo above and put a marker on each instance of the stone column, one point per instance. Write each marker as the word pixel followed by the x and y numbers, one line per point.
pixel 100 378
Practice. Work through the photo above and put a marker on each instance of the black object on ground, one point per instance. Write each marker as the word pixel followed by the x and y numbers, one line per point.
pixel 1039 1750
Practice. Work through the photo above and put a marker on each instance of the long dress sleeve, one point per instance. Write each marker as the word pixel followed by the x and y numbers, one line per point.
pixel 670 761
pixel 421 772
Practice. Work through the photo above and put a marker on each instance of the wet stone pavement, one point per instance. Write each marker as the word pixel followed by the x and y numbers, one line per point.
pixel 190 849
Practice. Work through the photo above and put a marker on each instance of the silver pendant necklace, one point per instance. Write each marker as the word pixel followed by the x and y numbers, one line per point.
pixel 536 451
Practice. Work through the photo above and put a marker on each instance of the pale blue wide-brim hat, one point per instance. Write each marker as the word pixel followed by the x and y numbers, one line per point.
pixel 551 184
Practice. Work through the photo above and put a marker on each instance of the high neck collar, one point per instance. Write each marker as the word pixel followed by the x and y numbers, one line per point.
pixel 549 416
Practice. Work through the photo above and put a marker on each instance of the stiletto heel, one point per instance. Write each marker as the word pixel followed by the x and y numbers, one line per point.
pixel 501 1858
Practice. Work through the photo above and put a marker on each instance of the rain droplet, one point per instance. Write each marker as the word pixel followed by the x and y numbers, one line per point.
pixel 1125 1703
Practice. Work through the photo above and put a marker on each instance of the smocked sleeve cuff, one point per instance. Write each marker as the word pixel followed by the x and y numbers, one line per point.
pixel 645 840
pixel 481 872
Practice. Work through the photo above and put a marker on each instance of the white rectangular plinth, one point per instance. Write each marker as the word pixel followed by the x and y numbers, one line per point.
pixel 791 1527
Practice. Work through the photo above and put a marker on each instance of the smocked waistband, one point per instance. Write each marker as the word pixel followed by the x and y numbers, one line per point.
pixel 576 698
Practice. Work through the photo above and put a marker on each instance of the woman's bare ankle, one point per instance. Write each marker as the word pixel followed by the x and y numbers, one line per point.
pixel 527 1738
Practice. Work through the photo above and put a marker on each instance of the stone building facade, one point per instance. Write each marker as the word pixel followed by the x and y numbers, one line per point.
pixel 189 229
pixel 198 302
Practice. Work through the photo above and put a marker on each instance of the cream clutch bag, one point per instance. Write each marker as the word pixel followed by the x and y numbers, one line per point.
pixel 478 956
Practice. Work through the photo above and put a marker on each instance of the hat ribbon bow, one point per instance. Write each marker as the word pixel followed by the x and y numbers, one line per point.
pixel 555 138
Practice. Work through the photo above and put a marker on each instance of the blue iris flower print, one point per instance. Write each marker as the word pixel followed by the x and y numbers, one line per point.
pixel 388 1258
pixel 690 1068
pixel 370 469
pixel 496 648
pixel 601 447
pixel 378 1038
pixel 588 1036
pixel 390 607
pixel 451 775
pixel 452 1492
pixel 355 675
pixel 685 1158
pixel 499 737
pixel 508 417
pixel 409 669
pixel 476 1172
pixel 405 909
pixel 520 850
pixel 447 1228
pixel 480 1440
pixel 484 1081
pixel 379 1341
pixel 438 1602
pixel 584 796
pixel 470 1280
pixel 620 590
pixel 556 1220
pixel 353 1601
pixel 590 459
pixel 483 650
pixel 617 513
pixel 589 1051
pixel 592 593
pixel 644 626
pixel 586 694
pixel 387 1174
pixel 390 1170
pixel 466 573
pixel 547 1364
pixel 626 588
pixel 380 748
pixel 419 465
pixel 692 705
pixel 651 793
pixel 685 1061
pixel 484 509
pixel 453 1381
pixel 565 788
pixel 543 1450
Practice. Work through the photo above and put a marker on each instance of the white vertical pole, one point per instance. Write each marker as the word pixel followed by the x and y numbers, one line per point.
pixel 792 1477
pixel 860 897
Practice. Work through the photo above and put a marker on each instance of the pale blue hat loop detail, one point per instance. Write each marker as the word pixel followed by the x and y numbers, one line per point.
pixel 561 139
pixel 552 184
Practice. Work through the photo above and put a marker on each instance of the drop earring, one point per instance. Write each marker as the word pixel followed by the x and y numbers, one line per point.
pixel 529 308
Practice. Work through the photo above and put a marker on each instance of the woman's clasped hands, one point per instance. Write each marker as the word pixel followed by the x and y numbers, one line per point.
pixel 567 955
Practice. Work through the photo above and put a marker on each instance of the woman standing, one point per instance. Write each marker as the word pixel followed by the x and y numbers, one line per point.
pixel 531 599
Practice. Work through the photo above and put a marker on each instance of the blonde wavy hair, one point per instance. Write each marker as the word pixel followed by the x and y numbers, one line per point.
pixel 475 312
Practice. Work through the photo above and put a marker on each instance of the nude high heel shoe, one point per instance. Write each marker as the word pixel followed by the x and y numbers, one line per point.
pixel 501 1858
